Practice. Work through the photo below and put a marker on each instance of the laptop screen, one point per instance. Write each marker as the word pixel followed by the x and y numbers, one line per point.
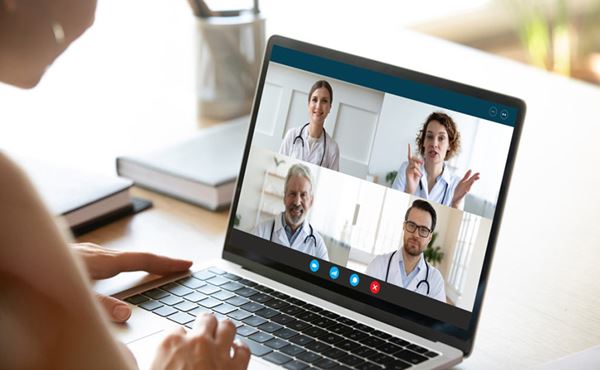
pixel 374 182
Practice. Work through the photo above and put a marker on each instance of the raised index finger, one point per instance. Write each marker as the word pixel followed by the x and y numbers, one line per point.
pixel 409 153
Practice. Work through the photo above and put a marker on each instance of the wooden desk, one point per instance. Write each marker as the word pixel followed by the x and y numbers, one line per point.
pixel 543 297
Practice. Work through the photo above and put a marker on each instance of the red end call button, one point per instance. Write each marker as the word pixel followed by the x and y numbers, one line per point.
pixel 375 287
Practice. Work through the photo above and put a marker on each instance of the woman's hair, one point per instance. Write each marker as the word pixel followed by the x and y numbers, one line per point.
pixel 453 134
pixel 319 84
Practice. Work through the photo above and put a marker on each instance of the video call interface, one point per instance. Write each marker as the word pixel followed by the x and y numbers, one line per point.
pixel 385 185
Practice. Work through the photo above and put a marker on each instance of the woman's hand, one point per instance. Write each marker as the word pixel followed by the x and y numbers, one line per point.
pixel 209 346
pixel 413 172
pixel 463 187
pixel 103 263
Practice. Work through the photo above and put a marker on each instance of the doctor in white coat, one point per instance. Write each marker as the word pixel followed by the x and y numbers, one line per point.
pixel 290 228
pixel 310 142
pixel 407 267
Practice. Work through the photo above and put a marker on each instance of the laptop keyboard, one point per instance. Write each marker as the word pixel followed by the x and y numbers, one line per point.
pixel 279 328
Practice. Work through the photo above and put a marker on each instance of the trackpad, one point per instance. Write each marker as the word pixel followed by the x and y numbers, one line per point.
pixel 140 325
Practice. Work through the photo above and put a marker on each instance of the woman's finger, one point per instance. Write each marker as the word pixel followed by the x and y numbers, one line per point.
pixel 149 262
pixel 409 153
pixel 206 325
pixel 118 311
pixel 224 335
pixel 241 356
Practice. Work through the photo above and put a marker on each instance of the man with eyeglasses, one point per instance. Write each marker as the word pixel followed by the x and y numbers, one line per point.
pixel 407 267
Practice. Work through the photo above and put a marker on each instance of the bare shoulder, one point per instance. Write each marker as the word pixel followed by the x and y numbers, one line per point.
pixel 15 187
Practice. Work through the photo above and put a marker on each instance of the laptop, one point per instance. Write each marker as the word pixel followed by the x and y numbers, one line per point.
pixel 367 281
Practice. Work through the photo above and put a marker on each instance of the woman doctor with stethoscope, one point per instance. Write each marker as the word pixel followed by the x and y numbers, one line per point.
pixel 430 178
pixel 406 267
pixel 310 142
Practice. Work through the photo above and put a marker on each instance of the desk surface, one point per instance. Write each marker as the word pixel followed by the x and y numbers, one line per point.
pixel 127 85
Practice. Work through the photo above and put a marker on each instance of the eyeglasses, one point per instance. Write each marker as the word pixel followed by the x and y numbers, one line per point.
pixel 411 227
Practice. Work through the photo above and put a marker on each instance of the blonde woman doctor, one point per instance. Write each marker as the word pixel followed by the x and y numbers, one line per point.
pixel 407 267
pixel 310 142
pixel 290 228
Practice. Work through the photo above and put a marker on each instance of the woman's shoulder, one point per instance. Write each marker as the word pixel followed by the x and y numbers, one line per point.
pixel 13 179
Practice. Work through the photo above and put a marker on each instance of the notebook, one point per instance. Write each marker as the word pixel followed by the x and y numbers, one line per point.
pixel 353 242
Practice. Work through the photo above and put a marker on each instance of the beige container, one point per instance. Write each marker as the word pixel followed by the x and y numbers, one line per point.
pixel 229 54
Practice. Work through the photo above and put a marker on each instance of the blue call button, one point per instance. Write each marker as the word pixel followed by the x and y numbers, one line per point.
pixel 354 279
pixel 314 265
pixel 334 272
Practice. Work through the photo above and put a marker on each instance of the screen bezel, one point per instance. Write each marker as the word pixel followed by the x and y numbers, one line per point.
pixel 402 318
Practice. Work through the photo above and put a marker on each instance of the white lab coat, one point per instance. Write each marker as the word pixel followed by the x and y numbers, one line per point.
pixel 319 250
pixel 331 159
pixel 378 268
pixel 442 191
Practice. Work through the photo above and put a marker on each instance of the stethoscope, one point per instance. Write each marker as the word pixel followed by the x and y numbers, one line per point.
pixel 424 281
pixel 299 136
pixel 306 240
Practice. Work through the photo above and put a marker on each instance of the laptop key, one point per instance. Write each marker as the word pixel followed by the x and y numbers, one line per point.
pixel 171 300
pixel 295 365
pixel 191 282
pixel 267 313
pixel 254 321
pixel 298 325
pixel 282 319
pixel 165 311
pixel 270 327
pixel 246 330
pixel 368 366
pixel 218 281
pixel 314 332
pixel 199 311
pixel 178 290
pixel 277 358
pixel 347 321
pixel 232 286
pixel 397 365
pixel 381 358
pixel 208 289
pixel 364 351
pixel 276 343
pixel 203 275
pixel 246 292
pixel 261 298
pixel 330 314
pixel 151 305
pixel 237 301
pixel 292 350
pixel 390 348
pixel 372 342
pixel 260 337
pixel 356 335
pixel 430 354
pixel 256 349
pixel 195 297
pixel 322 322
pixel 309 357
pixel 399 342
pixel 418 349
pixel 280 295
pixel 317 346
pixel 301 340
pixel 352 360
pixel 276 304
pixel 252 307
pixel 248 283
pixel 181 318
pixel 239 314
pixel 380 334
pixel 137 299
pixel 224 308
pixel 334 353
pixel 325 364
pixel 340 329
pixel 185 306
pixel 347 345
pixel 156 293
pixel 223 295
pixel 291 310
pixel 210 302
pixel 285 333
pixel 231 276
pixel 308 316
pixel 410 357
pixel 216 270
pixel 331 338
pixel 363 327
